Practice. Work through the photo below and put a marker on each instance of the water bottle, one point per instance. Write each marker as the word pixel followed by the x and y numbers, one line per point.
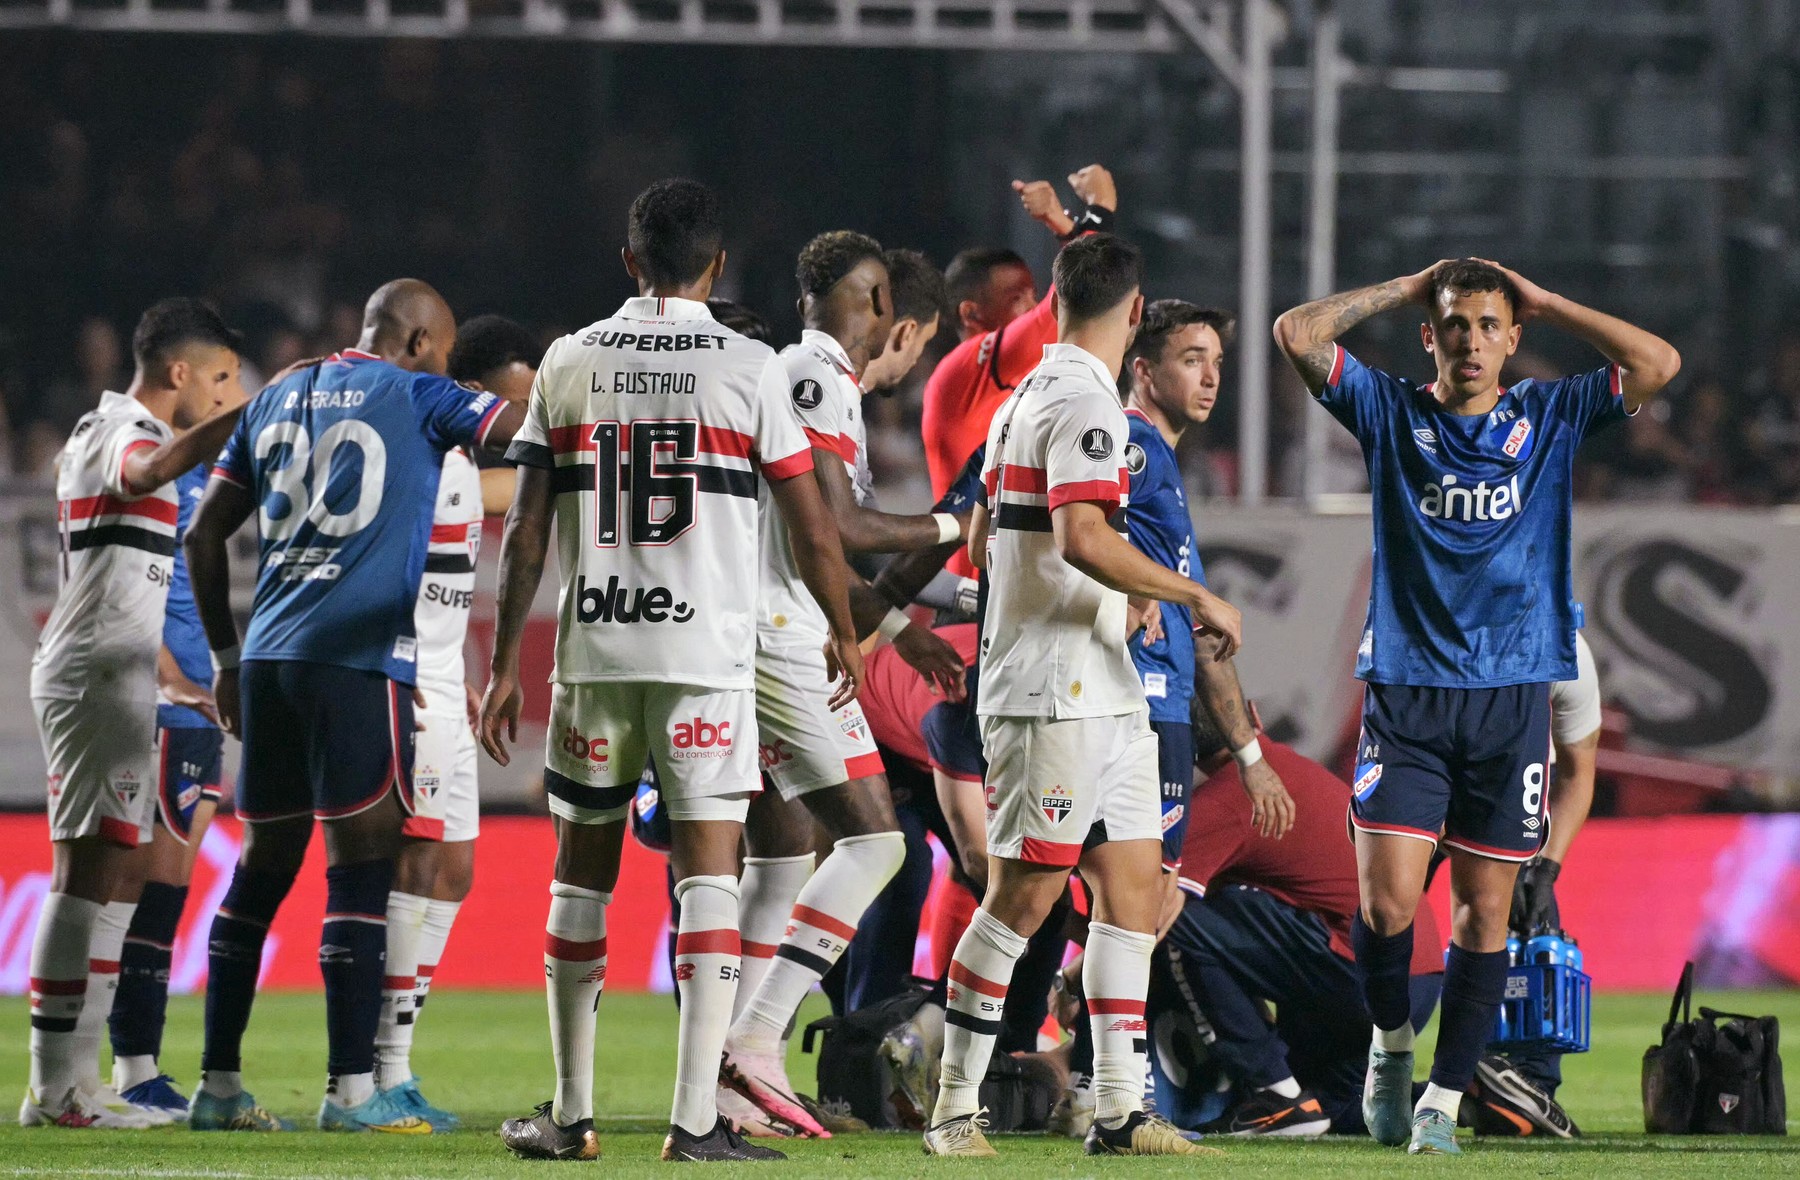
pixel 1514 950
pixel 1575 958
pixel 1547 950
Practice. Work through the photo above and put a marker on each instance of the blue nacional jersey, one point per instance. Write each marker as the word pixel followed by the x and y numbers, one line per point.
pixel 1162 530
pixel 343 459
pixel 182 633
pixel 1470 584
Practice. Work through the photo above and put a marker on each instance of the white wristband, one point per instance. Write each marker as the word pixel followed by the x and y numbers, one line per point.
pixel 228 659
pixel 949 528
pixel 892 623
pixel 1248 755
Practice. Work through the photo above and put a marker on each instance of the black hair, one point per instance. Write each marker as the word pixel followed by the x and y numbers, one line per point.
pixel 826 259
pixel 1467 275
pixel 1095 274
pixel 489 343
pixel 740 319
pixel 968 273
pixel 171 323
pixel 675 231
pixel 917 285
pixel 1209 739
pixel 1165 317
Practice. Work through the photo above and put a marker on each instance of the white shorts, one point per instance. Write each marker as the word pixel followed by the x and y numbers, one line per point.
pixel 1048 782
pixel 805 745
pixel 446 800
pixel 703 741
pixel 102 763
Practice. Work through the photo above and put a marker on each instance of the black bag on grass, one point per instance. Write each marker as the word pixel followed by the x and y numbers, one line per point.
pixel 851 1067
pixel 1713 1078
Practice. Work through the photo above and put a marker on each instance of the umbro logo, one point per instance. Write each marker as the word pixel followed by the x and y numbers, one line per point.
pixel 1427 439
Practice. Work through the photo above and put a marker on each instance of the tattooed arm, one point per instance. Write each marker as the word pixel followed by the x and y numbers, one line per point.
pixel 1216 689
pixel 1308 334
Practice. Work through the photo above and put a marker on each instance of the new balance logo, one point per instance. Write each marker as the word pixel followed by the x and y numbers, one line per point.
pixel 1481 502
pixel 653 605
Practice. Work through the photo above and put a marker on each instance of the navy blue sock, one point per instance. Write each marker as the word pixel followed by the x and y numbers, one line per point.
pixel 143 996
pixel 1385 963
pixel 234 959
pixel 1081 1053
pixel 1473 984
pixel 352 953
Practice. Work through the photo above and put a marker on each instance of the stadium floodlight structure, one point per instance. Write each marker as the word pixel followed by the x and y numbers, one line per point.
pixel 1237 37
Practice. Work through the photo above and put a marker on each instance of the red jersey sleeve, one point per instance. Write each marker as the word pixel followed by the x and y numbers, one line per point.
pixel 1218 825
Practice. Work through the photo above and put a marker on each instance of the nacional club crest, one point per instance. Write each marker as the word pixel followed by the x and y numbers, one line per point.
pixel 1057 803
pixel 1515 441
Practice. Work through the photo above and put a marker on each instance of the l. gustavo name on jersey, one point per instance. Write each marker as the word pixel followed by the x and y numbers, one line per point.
pixel 1481 502
pixel 614 603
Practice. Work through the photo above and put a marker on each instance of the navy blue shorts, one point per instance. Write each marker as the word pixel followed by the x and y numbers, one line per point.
pixel 1175 759
pixel 191 763
pixel 322 740
pixel 1470 763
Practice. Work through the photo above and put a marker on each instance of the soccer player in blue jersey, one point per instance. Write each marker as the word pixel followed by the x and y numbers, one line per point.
pixel 1174 367
pixel 190 762
pixel 1470 621
pixel 340 463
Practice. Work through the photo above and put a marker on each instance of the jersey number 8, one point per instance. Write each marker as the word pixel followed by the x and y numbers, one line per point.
pixel 662 492
pixel 306 464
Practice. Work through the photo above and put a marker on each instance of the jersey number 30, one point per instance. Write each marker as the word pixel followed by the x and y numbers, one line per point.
pixel 662 493
pixel 305 465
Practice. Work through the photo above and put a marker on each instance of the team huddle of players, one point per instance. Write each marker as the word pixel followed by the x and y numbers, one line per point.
pixel 667 454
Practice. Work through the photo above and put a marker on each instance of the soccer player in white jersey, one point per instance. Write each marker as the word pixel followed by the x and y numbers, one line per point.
pixel 436 867
pixel 647 436
pixel 1064 724
pixel 93 688
pixel 822 761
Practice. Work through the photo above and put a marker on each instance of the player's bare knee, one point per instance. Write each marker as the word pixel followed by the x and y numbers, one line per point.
pixel 860 807
pixel 416 868
pixel 1385 913
pixel 587 855
pixel 276 846
pixel 456 872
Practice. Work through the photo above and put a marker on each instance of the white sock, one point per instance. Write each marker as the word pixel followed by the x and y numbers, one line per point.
pixel 574 973
pixel 1287 1087
pixel 1115 974
pixel 133 1071
pixel 766 895
pixel 59 984
pixel 823 922
pixel 350 1089
pixel 1395 1040
pixel 222 1083
pixel 707 962
pixel 980 971
pixel 104 949
pixel 394 1033
pixel 1439 1098
pixel 439 917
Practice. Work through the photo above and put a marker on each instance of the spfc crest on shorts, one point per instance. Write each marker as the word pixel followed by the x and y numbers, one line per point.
pixel 1057 803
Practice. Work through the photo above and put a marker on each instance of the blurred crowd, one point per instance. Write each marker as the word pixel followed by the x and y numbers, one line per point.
pixel 286 182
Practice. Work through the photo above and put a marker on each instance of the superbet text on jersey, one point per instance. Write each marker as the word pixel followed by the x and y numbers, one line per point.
pixel 322 452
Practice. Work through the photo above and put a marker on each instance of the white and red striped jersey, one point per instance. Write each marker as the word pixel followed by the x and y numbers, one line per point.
pixel 447 589
pixel 118 554
pixel 1054 641
pixel 826 396
pixel 655 424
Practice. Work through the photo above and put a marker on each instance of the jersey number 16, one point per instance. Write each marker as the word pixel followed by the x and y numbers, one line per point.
pixel 661 492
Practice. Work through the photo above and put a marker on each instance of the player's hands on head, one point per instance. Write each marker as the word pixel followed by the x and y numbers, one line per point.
pixel 1532 298
pixel 500 707
pixel 1043 205
pixel 225 702
pixel 1214 616
pixel 843 665
pixel 1418 287
pixel 1271 807
pixel 1094 186
pixel 934 659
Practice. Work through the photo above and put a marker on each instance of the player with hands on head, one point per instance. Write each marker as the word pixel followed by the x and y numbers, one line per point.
pixel 1471 619
pixel 655 651
pixel 1064 724
pixel 94 683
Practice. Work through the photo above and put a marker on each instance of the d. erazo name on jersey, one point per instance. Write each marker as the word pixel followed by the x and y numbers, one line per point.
pixel 653 341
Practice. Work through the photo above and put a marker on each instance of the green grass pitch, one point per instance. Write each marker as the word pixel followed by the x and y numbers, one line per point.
pixel 486 1056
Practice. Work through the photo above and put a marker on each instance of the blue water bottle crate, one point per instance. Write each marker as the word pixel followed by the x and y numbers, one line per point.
pixel 1548 1002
